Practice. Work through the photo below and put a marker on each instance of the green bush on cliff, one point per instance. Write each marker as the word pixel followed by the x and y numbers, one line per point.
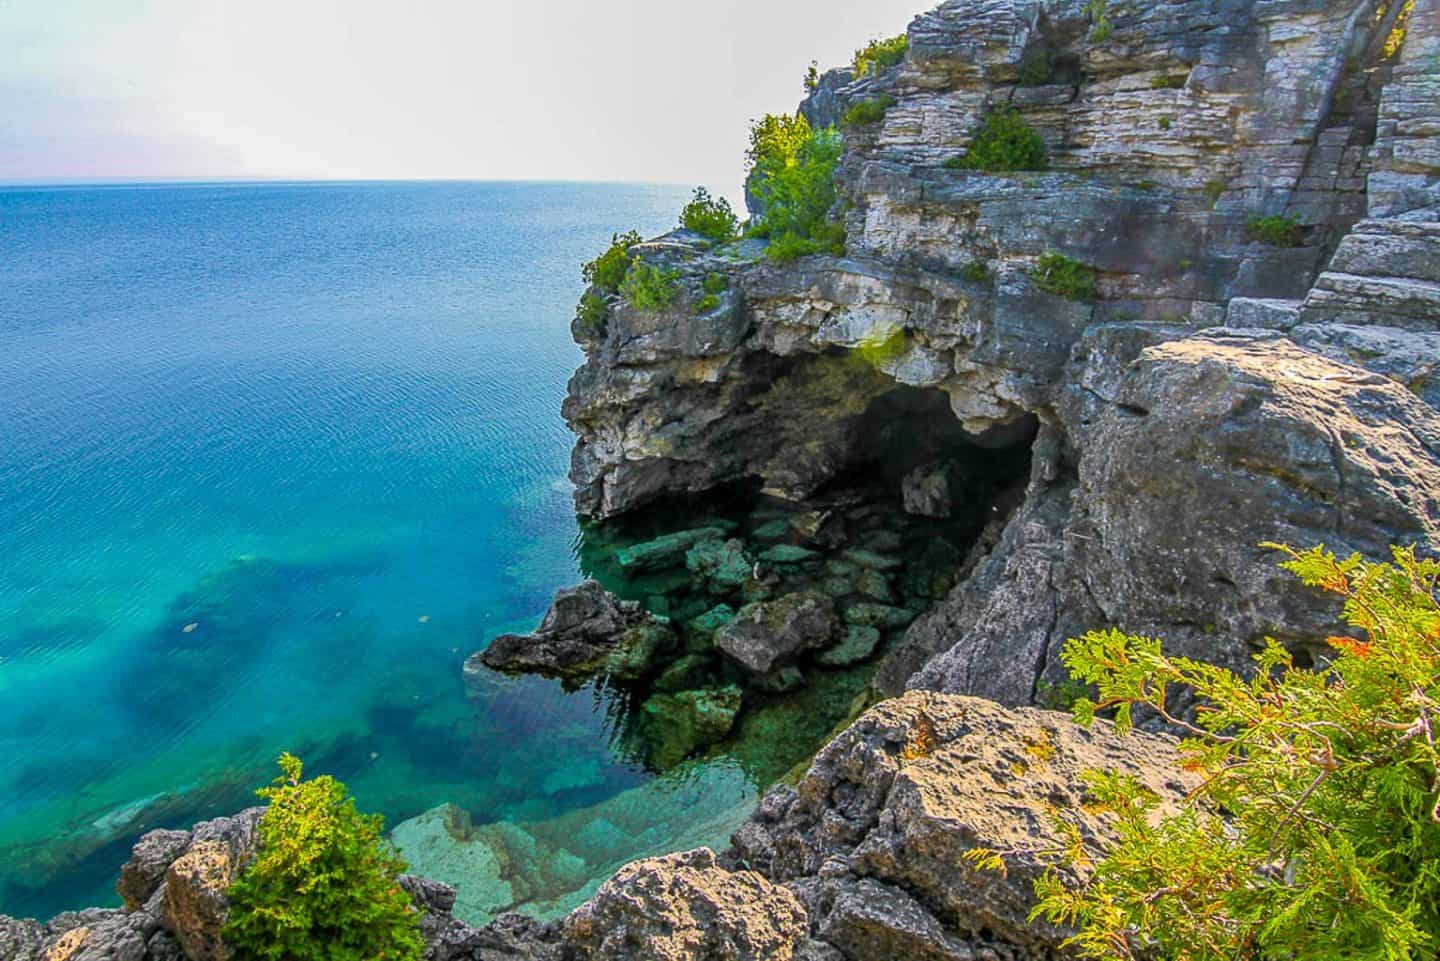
pixel 1313 832
pixel 592 314
pixel 646 287
pixel 1065 277
pixel 711 218
pixel 1276 231
pixel 323 884
pixel 879 54
pixel 792 174
pixel 608 270
pixel 1004 143
pixel 867 111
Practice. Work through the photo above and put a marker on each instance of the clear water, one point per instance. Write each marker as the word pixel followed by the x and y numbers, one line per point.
pixel 273 460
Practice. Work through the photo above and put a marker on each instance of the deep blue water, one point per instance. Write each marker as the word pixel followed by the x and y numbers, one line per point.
pixel 273 460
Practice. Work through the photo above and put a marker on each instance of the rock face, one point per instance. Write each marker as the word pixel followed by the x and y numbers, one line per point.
pixel 588 632
pixel 1219 392
pixel 684 907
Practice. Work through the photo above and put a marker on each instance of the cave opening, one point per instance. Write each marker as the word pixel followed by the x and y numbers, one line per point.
pixel 881 539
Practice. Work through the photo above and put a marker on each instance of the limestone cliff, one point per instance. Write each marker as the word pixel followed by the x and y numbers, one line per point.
pixel 1219 392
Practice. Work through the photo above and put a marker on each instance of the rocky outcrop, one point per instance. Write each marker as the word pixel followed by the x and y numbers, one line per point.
pixel 684 907
pixel 587 633
pixel 1221 391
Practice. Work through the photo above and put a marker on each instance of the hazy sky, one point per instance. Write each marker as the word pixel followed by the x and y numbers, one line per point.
pixel 477 89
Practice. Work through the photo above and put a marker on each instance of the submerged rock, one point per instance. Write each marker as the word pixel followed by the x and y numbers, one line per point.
pixel 857 644
pixel 588 632
pixel 700 632
pixel 722 567
pixel 666 551
pixel 769 633
pixel 788 554
pixel 681 723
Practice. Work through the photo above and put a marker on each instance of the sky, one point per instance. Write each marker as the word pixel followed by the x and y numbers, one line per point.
pixel 638 90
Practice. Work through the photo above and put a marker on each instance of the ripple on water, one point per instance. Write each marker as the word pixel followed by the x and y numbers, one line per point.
pixel 298 418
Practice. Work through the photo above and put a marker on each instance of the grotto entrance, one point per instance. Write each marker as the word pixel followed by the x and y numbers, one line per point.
pixel 764 598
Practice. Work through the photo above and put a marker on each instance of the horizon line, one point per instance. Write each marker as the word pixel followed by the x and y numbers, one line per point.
pixel 207 181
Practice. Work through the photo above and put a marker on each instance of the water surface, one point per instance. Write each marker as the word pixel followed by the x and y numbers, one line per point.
pixel 273 459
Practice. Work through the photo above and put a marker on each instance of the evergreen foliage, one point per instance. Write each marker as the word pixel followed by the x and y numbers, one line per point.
pixel 1004 143
pixel 323 884
pixel 1276 231
pixel 608 270
pixel 792 174
pixel 1314 832
pixel 876 55
pixel 1065 277
pixel 711 218
pixel 646 287
pixel 976 271
pixel 593 312
pixel 866 112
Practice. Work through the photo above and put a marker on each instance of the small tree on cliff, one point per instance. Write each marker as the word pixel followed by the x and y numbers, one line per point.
pixel 323 885
pixel 1314 833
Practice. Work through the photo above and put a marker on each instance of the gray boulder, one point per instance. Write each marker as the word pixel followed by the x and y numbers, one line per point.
pixel 767 634
pixel 588 632
pixel 686 907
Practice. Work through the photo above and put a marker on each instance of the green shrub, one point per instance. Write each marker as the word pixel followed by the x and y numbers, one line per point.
pixel 976 272
pixel 592 313
pixel 1060 275
pixel 1167 82
pixel 812 77
pixel 1313 834
pixel 1214 190
pixel 608 270
pixel 867 111
pixel 792 174
pixel 1004 143
pixel 1276 231
pixel 322 885
pixel 1164 121
pixel 827 238
pixel 710 218
pixel 715 284
pixel 1100 27
pixel 879 54
pixel 649 288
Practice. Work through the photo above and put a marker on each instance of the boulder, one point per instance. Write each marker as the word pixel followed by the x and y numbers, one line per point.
pixel 588 632
pixel 770 633
pixel 876 831
pixel 722 567
pixel 681 723
pixel 142 875
pixel 857 644
pixel 666 551
pixel 925 491
pixel 685 907
pixel 700 631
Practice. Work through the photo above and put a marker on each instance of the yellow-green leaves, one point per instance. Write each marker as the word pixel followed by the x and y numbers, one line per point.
pixel 1313 834
pixel 323 885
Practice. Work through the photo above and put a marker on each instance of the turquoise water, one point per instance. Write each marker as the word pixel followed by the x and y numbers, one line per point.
pixel 273 460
